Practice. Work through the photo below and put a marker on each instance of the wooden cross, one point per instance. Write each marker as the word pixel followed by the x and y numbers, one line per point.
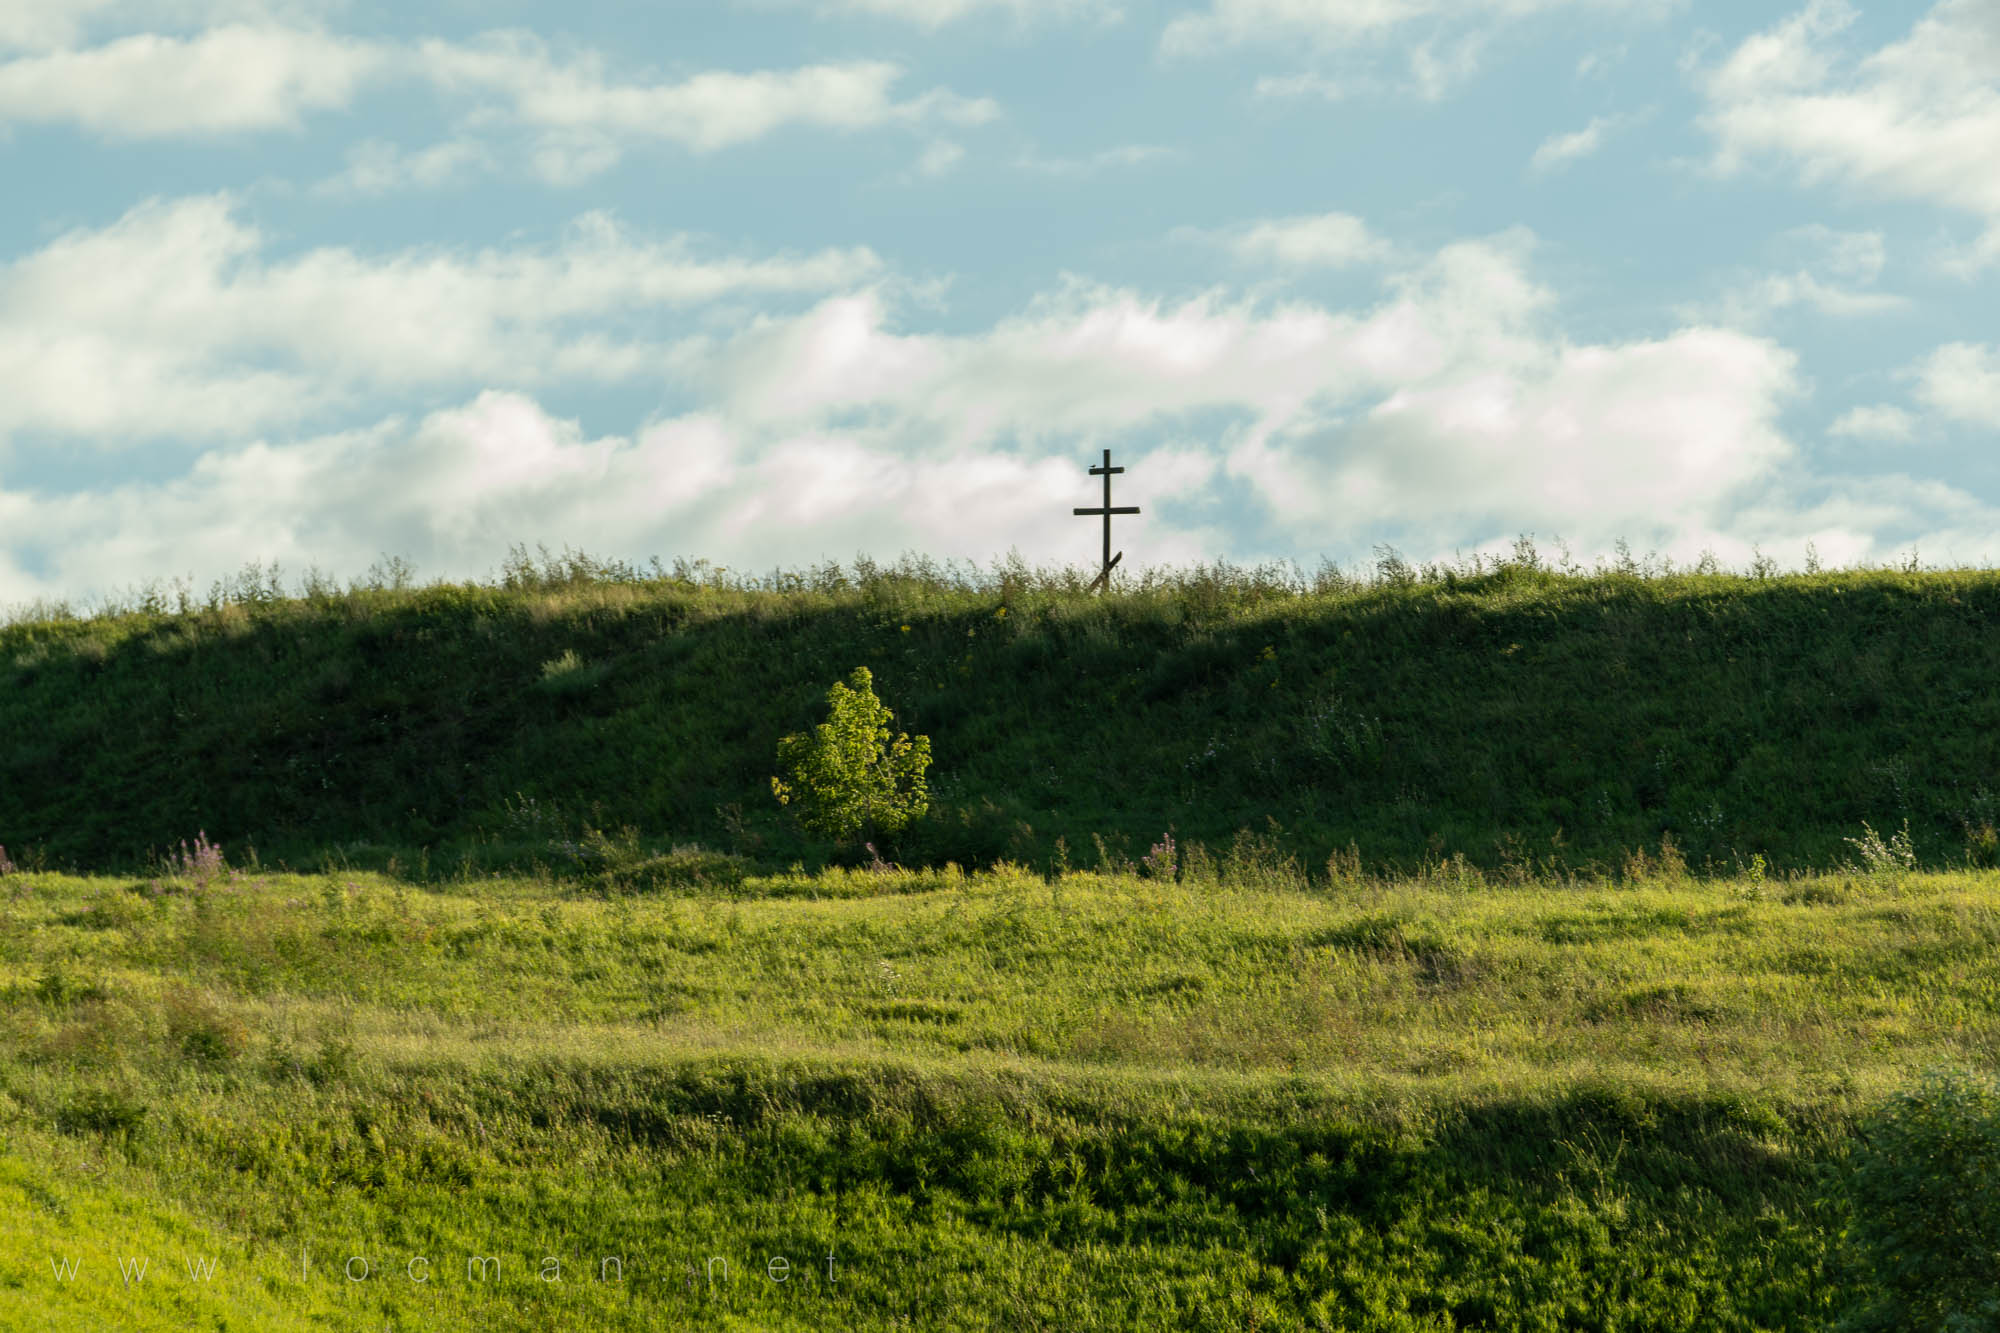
pixel 1103 579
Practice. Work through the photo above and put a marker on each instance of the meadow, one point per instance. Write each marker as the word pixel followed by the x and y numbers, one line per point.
pixel 996 1100
pixel 1489 947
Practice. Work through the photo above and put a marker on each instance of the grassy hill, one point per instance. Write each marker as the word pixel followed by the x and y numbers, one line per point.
pixel 1434 1019
pixel 1520 717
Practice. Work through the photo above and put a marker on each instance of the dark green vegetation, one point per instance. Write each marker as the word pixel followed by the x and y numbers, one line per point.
pixel 1518 716
pixel 1001 1102
pixel 1468 948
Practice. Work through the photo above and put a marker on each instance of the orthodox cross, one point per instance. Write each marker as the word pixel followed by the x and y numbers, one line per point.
pixel 1103 579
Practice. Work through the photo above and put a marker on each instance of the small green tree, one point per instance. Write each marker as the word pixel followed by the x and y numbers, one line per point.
pixel 848 777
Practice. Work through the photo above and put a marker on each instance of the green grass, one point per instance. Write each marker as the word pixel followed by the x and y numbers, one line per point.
pixel 1000 1101
pixel 1275 953
pixel 1522 717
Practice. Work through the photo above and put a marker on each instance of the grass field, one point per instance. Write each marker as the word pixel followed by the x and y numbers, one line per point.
pixel 996 1100
pixel 1494 946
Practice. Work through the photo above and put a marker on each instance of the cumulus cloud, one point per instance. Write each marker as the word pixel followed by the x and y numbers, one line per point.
pixel 1853 520
pixel 1750 301
pixel 1124 155
pixel 1298 85
pixel 1457 31
pixel 54 25
pixel 1451 406
pixel 1559 150
pixel 1835 269
pixel 172 322
pixel 1326 240
pixel 934 14
pixel 46 24
pixel 1961 381
pixel 1918 119
pixel 1597 64
pixel 453 491
pixel 225 80
pixel 1855 255
pixel 1665 433
pixel 1457 374
pixel 940 157
pixel 375 167
pixel 708 111
pixel 578 118
pixel 1879 422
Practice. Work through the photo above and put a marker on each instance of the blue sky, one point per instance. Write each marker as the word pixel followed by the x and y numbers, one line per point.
pixel 775 281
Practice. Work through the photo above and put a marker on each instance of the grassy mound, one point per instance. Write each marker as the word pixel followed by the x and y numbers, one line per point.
pixel 1528 720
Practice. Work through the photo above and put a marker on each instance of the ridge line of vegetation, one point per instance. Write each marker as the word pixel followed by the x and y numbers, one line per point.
pixel 1512 717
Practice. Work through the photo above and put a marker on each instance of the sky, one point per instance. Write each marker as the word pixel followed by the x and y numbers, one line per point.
pixel 775 282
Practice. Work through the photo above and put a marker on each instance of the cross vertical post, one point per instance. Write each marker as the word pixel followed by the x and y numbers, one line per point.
pixel 1103 579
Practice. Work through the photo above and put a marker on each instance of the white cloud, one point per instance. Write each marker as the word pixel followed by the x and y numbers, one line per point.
pixel 579 119
pixel 935 14
pixel 41 25
pixel 1665 432
pixel 1457 30
pixel 1856 255
pixel 226 80
pixel 1962 381
pixel 1438 67
pixel 1327 240
pixel 1123 156
pixel 1870 520
pixel 1559 150
pixel 833 431
pixel 1879 422
pixel 172 322
pixel 1298 85
pixel 940 157
pixel 1750 301
pixel 1918 119
pixel 375 167
pixel 1828 257
pixel 576 102
pixel 1597 64
pixel 54 25
pixel 1455 376
pixel 455 490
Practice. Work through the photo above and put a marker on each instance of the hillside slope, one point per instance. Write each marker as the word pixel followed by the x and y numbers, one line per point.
pixel 1517 717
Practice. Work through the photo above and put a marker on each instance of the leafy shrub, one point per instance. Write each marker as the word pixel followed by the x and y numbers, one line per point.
pixel 848 777
pixel 1923 1193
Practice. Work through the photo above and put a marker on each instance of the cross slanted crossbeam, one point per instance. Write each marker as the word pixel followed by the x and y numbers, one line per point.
pixel 1103 579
